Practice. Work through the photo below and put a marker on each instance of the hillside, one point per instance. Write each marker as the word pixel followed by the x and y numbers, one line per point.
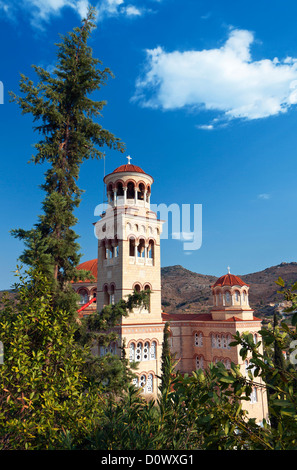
pixel 187 291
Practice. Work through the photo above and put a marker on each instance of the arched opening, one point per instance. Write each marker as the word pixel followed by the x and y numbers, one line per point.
pixel 120 189
pixel 153 350
pixel 149 384
pixel 227 298
pixel 140 194
pixel 199 362
pixel 106 295
pixel 83 296
pixel 130 190
pixel 141 249
pixel 109 250
pixel 151 250
pixel 111 297
pixel 132 352
pixel 110 193
pixel 138 352
pixel 146 350
pixel 147 288
pixel 137 288
pixel 131 247
pixel 237 296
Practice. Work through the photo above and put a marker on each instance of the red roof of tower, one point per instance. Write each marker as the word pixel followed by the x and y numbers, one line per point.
pixel 128 168
pixel 229 280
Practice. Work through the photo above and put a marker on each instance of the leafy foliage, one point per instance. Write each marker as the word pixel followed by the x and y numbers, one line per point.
pixel 65 116
pixel 42 386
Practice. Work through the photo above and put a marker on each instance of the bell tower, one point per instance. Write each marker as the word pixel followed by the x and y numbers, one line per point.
pixel 128 235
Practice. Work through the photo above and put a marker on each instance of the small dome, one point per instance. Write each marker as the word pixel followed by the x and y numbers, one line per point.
pixel 128 168
pixel 229 280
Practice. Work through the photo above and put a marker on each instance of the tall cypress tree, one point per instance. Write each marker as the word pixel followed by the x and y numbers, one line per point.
pixel 64 114
pixel 165 359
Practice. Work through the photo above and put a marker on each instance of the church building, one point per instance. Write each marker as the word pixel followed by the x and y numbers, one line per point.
pixel 128 234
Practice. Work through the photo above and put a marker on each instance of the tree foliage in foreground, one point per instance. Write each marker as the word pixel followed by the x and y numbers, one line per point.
pixel 204 410
pixel 49 399
pixel 66 119
pixel 51 385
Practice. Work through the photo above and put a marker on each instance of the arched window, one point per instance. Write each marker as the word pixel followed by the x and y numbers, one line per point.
pixel 141 248
pixel 227 363
pixel 151 249
pixel 120 189
pixel 147 288
pixel 140 194
pixel 108 348
pixel 110 193
pixel 228 341
pixel 142 381
pixel 237 296
pixel 149 384
pixel 153 350
pixel 111 299
pixel 213 341
pixel 199 362
pixel 106 296
pixel 218 338
pixel 224 341
pixel 138 352
pixel 198 339
pixel 146 351
pixel 84 298
pixel 131 247
pixel 132 352
pixel 227 297
pixel 130 190
pixel 137 288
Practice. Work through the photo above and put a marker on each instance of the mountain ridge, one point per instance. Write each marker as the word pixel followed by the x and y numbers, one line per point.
pixel 185 291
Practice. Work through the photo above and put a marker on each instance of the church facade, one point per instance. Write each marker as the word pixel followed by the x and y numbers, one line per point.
pixel 128 234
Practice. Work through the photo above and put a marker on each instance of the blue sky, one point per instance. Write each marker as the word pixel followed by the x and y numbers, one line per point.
pixel 204 97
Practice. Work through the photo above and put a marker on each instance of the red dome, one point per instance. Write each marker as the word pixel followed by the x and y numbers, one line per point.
pixel 91 266
pixel 128 168
pixel 229 280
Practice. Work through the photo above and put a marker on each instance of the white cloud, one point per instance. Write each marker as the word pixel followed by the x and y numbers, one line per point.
pixel 131 10
pixel 113 8
pixel 41 11
pixel 225 80
pixel 264 196
pixel 207 127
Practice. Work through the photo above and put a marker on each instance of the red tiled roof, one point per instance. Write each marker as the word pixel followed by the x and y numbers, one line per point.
pixel 229 280
pixel 91 266
pixel 128 168
pixel 186 316
pixel 199 317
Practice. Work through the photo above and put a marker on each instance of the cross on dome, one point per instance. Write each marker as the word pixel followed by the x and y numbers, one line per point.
pixel 228 269
pixel 129 159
